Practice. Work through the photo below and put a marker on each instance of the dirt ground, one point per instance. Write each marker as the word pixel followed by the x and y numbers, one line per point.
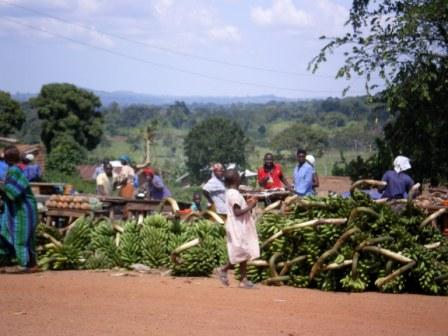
pixel 108 303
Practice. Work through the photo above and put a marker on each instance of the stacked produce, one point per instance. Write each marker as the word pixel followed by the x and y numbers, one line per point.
pixel 72 202
pixel 341 244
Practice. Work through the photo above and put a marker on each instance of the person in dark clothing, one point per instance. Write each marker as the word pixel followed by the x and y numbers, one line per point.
pixel 398 182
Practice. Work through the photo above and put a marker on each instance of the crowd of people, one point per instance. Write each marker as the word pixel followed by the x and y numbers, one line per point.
pixel 19 216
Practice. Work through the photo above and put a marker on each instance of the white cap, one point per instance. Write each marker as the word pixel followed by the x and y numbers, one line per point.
pixel 310 159
pixel 29 157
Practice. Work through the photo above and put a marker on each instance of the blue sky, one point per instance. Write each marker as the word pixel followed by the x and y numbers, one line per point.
pixel 168 47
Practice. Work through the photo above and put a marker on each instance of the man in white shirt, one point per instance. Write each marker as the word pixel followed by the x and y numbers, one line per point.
pixel 106 181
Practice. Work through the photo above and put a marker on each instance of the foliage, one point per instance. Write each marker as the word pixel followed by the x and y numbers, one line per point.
pixel 312 139
pixel 69 112
pixel 406 44
pixel 214 140
pixel 11 115
pixel 80 185
pixel 178 114
pixel 65 155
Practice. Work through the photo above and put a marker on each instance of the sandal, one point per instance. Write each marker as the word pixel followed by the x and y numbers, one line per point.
pixel 246 284
pixel 222 276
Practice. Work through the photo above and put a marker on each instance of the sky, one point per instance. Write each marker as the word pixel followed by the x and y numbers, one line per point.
pixel 168 47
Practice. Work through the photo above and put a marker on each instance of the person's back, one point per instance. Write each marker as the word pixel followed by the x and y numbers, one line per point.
pixel 157 189
pixel 32 172
pixel 398 184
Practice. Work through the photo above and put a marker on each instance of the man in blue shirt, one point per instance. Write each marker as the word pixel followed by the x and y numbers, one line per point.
pixel 303 175
pixel 398 182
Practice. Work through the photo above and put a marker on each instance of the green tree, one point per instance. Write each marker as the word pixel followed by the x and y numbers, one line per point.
pixel 312 139
pixel 69 112
pixel 214 140
pixel 11 115
pixel 178 114
pixel 66 154
pixel 405 43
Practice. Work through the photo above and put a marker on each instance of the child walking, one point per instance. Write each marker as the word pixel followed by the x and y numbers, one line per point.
pixel 241 233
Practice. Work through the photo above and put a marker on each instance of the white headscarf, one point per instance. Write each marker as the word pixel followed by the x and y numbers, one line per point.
pixel 310 159
pixel 401 163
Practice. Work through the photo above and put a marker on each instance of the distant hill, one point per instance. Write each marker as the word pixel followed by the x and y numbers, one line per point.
pixel 128 98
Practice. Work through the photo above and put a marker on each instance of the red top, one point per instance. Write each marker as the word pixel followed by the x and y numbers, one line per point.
pixel 275 173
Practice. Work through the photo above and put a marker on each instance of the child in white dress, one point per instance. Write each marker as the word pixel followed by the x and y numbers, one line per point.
pixel 241 233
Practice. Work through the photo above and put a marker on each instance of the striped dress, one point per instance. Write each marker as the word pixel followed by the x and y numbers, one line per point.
pixel 19 219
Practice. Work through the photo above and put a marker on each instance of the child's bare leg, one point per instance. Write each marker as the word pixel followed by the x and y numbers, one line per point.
pixel 243 270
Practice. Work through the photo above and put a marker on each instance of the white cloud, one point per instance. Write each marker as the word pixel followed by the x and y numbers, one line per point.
pixel 317 16
pixel 282 13
pixel 225 34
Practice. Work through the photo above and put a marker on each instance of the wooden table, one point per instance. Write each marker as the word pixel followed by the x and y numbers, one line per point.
pixel 267 196
pixel 45 188
pixel 71 214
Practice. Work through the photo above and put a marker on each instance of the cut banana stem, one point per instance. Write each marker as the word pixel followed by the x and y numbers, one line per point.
pixel 117 228
pixel 117 239
pixel 272 264
pixel 380 282
pixel 370 183
pixel 334 266
pixel 314 222
pixel 441 277
pixel 433 216
pixel 171 202
pixel 355 265
pixel 413 191
pixel 183 247
pixel 278 280
pixel 388 253
pixel 272 206
pixel 294 227
pixel 56 242
pixel 288 200
pixel 192 216
pixel 214 216
pixel 258 263
pixel 317 267
pixel 433 246
pixel 286 266
pixel 359 211
pixel 372 242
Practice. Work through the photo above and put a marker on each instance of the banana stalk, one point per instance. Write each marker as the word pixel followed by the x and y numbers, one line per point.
pixel 276 280
pixel 171 202
pixel 317 267
pixel 360 210
pixel 388 253
pixel 175 254
pixel 214 216
pixel 272 206
pixel 334 266
pixel 433 216
pixel 370 183
pixel 56 242
pixel 380 282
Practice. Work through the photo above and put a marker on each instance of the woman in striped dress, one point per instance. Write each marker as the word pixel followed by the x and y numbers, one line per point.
pixel 18 220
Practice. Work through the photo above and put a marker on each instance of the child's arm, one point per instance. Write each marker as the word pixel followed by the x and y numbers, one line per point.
pixel 251 203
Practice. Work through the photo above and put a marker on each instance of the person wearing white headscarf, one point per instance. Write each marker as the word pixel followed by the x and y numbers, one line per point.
pixel 398 182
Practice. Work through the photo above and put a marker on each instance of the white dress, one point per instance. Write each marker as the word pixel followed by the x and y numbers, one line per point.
pixel 241 233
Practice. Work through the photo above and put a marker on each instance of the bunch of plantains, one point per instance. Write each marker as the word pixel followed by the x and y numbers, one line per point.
pixel 352 245
pixel 188 248
pixel 335 244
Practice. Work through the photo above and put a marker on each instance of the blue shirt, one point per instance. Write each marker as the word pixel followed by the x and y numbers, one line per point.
pixel 32 172
pixel 303 179
pixel 3 170
pixel 157 189
pixel 398 184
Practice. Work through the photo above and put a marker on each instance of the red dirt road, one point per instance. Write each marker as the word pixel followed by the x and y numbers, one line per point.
pixel 91 303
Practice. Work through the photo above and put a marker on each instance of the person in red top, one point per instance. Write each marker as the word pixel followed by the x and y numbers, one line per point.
pixel 270 176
